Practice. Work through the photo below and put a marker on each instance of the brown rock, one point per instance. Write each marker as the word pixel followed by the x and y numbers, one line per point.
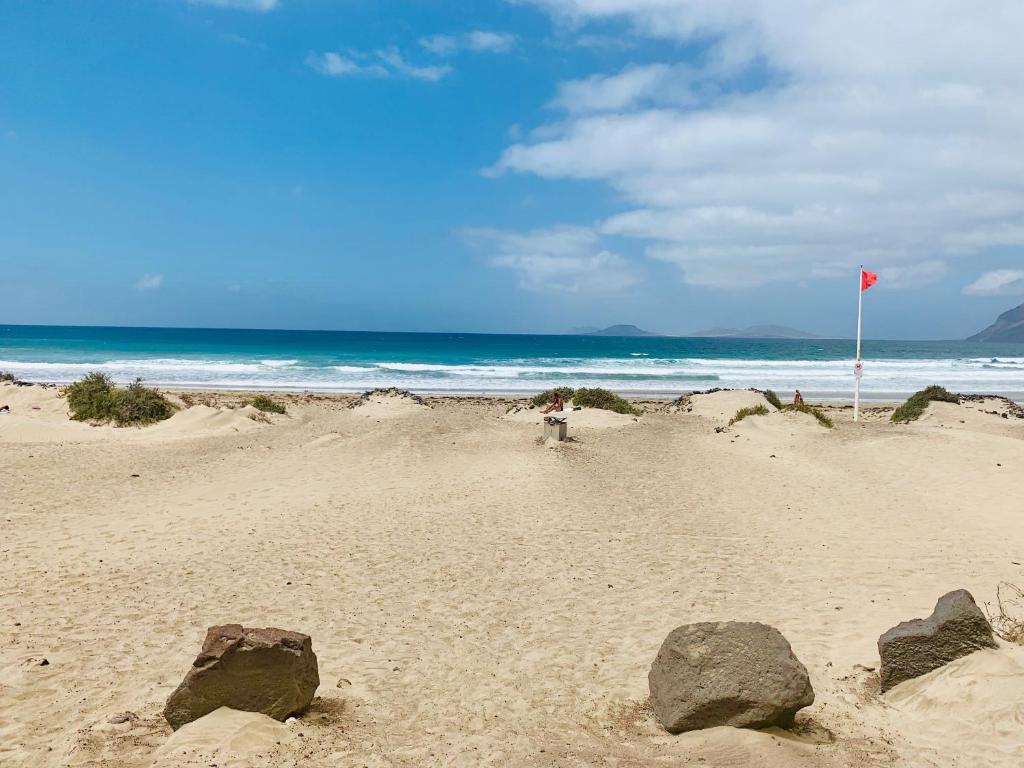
pixel 956 628
pixel 272 671
pixel 742 674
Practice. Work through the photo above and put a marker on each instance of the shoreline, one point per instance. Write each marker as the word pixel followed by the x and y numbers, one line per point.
pixel 639 397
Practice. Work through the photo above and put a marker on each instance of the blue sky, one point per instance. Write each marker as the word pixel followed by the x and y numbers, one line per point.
pixel 501 166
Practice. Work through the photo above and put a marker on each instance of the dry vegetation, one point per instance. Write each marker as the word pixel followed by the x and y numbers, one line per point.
pixel 1007 616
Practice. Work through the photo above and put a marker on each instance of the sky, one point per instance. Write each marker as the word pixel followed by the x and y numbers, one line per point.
pixel 521 166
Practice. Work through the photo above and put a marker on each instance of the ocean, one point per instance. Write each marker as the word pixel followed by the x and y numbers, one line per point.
pixel 465 363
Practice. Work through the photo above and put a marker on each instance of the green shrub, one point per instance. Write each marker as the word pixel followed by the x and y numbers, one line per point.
pixel 89 397
pixel 916 404
pixel 545 398
pixel 773 399
pixel 9 377
pixel 136 405
pixel 824 420
pixel 267 404
pixel 95 398
pixel 742 413
pixel 602 398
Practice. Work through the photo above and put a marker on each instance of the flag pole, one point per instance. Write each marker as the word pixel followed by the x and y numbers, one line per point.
pixel 856 366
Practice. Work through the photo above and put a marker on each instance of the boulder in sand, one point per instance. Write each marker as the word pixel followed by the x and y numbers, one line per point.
pixel 272 671
pixel 742 674
pixel 956 628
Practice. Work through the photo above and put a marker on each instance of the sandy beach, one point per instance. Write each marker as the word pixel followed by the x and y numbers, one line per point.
pixel 478 597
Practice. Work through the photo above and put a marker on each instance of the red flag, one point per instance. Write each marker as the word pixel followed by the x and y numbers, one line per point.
pixel 867 279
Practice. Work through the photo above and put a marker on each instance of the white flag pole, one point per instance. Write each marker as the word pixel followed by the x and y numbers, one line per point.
pixel 857 365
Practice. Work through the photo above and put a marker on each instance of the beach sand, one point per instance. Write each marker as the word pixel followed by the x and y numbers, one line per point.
pixel 478 597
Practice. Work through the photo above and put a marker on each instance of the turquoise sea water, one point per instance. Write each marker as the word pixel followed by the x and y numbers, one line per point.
pixel 480 363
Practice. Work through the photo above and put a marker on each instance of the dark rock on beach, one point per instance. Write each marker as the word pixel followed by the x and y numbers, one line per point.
pixel 956 628
pixel 742 674
pixel 272 671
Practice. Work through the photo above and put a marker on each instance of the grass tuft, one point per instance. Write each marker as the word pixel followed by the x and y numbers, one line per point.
pixel 604 399
pixel 1007 618
pixel 95 398
pixel 8 377
pixel 824 420
pixel 545 397
pixel 742 413
pixel 916 404
pixel 267 404
pixel 773 399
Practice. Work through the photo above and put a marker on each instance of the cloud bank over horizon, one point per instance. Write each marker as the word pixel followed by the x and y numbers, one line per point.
pixel 806 139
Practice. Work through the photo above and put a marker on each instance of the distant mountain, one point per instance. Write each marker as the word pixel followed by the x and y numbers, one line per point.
pixel 1009 326
pixel 584 330
pixel 757 332
pixel 621 330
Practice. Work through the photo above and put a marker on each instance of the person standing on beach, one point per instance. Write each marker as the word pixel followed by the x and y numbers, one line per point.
pixel 798 399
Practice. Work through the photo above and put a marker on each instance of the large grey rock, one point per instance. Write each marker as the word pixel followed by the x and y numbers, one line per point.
pixel 956 628
pixel 742 674
pixel 272 671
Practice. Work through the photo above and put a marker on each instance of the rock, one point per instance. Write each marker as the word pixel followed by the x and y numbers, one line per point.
pixel 956 628
pixel 122 717
pixel 742 674
pixel 271 671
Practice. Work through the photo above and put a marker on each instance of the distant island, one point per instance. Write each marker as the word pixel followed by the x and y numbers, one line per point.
pixel 620 330
pixel 1008 327
pixel 757 332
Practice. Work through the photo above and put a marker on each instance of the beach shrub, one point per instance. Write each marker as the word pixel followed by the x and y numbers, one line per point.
pixel 95 398
pixel 8 377
pixel 267 404
pixel 773 399
pixel 89 397
pixel 604 399
pixel 545 397
pixel 753 410
pixel 137 404
pixel 916 404
pixel 824 420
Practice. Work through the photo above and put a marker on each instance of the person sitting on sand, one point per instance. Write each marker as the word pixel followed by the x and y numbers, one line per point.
pixel 798 399
pixel 556 404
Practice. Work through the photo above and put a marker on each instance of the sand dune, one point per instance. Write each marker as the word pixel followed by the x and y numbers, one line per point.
pixel 476 599
pixel 722 406
pixel 227 739
pixel 199 419
pixel 387 405
pixel 40 414
pixel 584 418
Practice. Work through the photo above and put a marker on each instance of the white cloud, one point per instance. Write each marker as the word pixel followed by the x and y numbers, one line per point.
pixel 655 83
pixel 477 41
pixel 559 259
pixel 883 132
pixel 149 282
pixel 382 63
pixel 1001 282
pixel 260 6
pixel 393 59
pixel 911 275
pixel 336 65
